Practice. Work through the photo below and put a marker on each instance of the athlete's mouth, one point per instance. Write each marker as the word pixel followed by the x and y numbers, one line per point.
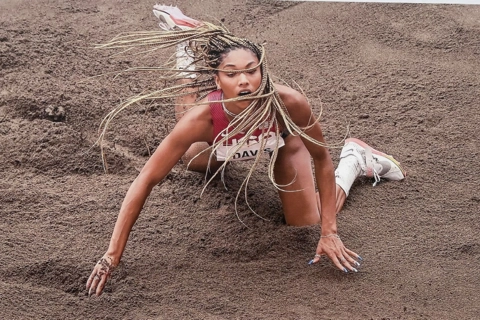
pixel 244 93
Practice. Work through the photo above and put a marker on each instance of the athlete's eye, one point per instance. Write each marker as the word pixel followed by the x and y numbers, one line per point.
pixel 230 74
pixel 252 71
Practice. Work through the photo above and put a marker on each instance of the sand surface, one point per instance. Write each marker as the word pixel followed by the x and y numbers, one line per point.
pixel 406 79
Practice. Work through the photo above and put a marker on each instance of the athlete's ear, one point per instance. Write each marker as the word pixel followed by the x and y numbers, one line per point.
pixel 217 81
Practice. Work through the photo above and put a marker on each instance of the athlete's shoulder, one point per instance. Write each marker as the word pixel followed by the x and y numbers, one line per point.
pixel 297 105
pixel 195 124
pixel 291 97
pixel 200 112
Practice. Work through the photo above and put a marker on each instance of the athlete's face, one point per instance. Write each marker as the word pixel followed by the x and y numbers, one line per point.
pixel 234 84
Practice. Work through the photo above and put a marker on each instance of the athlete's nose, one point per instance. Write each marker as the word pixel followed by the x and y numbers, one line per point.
pixel 243 79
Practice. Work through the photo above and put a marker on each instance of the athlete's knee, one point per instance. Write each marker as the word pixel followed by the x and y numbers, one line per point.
pixel 200 164
pixel 293 144
pixel 193 164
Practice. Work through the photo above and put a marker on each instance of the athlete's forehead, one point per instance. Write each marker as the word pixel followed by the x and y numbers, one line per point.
pixel 239 59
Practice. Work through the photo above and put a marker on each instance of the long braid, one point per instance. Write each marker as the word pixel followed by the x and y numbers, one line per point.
pixel 207 45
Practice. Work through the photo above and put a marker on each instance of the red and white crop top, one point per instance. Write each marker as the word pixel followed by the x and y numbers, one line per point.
pixel 250 149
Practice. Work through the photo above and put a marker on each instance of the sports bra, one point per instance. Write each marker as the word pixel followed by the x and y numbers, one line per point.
pixel 251 148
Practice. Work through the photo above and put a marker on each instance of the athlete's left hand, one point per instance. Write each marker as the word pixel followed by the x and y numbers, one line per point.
pixel 332 246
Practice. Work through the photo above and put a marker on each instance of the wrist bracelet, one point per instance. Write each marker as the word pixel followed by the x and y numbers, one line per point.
pixel 331 235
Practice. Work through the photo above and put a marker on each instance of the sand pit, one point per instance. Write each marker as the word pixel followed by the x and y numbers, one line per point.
pixel 405 77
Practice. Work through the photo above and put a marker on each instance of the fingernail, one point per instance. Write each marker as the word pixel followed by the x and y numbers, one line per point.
pixel 310 262
pixel 354 270
pixel 360 258
pixel 357 264
pixel 345 270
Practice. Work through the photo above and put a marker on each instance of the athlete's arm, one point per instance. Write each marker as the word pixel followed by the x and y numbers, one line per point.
pixel 302 115
pixel 193 127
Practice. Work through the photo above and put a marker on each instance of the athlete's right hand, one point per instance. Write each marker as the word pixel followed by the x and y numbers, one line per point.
pixel 100 274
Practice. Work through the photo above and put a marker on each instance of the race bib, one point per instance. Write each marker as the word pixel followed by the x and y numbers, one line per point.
pixel 250 149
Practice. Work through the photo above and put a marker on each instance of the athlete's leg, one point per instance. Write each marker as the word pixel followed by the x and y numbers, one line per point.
pixel 293 172
pixel 341 198
pixel 359 159
pixel 171 18
pixel 301 207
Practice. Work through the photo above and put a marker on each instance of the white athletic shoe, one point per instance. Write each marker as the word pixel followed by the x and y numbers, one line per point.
pixel 172 18
pixel 374 164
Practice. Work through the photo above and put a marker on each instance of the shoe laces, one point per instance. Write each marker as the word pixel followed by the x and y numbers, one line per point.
pixel 370 170
pixel 365 160
pixel 376 177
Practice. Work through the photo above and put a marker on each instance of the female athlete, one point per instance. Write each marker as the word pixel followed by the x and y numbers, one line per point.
pixel 228 109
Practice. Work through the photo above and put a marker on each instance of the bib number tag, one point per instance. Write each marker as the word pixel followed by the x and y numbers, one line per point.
pixel 250 149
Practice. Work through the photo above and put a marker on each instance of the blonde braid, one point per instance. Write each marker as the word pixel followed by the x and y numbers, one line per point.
pixel 208 44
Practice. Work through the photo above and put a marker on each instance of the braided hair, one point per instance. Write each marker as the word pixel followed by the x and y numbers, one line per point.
pixel 207 46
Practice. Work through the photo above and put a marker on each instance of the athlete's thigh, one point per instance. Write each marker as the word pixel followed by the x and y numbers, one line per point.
pixel 197 158
pixel 293 171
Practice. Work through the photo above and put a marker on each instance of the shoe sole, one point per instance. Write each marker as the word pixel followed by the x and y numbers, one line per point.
pixel 172 22
pixel 379 153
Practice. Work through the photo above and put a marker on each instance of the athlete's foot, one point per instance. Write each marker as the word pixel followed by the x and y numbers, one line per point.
pixel 172 18
pixel 374 164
